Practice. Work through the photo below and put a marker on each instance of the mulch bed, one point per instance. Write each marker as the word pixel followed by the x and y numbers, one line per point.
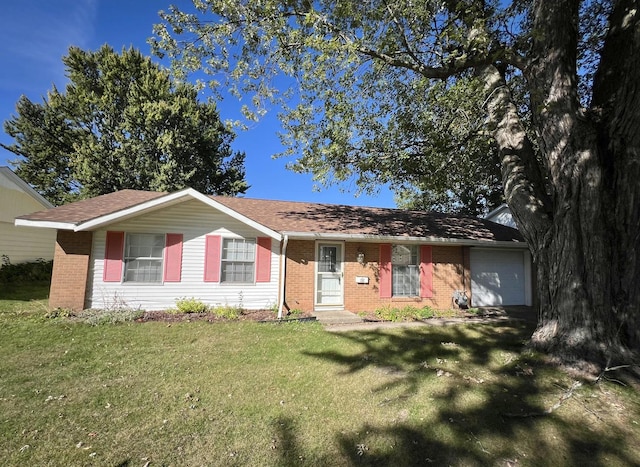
pixel 249 315
pixel 268 316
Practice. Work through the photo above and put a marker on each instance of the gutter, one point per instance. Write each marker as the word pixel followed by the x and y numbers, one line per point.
pixel 283 275
pixel 407 239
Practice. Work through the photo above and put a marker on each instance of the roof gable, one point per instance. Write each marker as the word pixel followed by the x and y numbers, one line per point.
pixel 106 209
pixel 86 210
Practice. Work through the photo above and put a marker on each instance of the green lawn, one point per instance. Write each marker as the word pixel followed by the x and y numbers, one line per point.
pixel 243 393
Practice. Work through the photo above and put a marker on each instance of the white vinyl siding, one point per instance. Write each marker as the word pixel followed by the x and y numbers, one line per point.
pixel 238 260
pixel 195 221
pixel 22 244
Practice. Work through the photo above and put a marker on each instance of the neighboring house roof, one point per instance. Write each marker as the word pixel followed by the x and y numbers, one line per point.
pixel 24 186
pixel 276 218
pixel 502 215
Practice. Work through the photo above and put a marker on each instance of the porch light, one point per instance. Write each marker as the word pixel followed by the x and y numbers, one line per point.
pixel 360 257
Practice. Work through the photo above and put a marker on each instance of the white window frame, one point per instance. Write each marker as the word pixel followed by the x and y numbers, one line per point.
pixel 130 258
pixel 248 265
pixel 401 258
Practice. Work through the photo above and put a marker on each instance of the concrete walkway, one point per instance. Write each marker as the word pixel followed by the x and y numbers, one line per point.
pixel 343 321
pixel 337 317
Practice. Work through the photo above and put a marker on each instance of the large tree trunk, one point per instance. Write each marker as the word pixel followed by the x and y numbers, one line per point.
pixel 587 311
pixel 577 202
pixel 589 274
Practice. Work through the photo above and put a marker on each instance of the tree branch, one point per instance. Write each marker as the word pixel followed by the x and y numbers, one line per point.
pixel 522 178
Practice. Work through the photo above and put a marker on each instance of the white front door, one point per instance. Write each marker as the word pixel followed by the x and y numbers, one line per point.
pixel 329 283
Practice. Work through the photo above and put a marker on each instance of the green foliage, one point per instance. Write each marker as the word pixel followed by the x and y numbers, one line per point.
pixel 62 313
pixel 33 271
pixel 407 313
pixel 448 101
pixel 425 312
pixel 191 305
pixel 122 123
pixel 227 311
pixel 365 110
pixel 295 313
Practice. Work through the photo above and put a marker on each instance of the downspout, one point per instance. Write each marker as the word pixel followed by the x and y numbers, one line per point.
pixel 283 275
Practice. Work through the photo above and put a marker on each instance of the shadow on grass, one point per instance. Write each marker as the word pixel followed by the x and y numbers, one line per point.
pixel 24 292
pixel 488 399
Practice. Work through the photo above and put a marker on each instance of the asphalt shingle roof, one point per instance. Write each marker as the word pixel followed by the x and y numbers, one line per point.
pixel 85 210
pixel 292 216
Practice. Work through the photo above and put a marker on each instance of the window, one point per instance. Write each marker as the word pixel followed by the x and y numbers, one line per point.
pixel 328 259
pixel 404 270
pixel 238 260
pixel 143 258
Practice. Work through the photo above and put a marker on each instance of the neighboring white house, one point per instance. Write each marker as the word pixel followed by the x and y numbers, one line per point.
pixel 502 215
pixel 22 244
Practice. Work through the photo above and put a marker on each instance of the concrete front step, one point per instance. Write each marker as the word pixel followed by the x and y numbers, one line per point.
pixel 337 317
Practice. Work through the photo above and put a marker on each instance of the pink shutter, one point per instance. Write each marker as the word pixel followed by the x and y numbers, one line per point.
pixel 173 258
pixel 426 272
pixel 385 271
pixel 263 259
pixel 113 254
pixel 212 258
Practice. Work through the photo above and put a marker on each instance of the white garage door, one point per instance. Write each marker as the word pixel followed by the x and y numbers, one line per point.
pixel 497 277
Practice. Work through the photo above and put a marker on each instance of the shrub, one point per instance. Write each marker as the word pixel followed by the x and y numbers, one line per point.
pixel 96 317
pixel 408 313
pixel 227 311
pixel 387 313
pixel 295 313
pixel 273 307
pixel 59 313
pixel 33 271
pixel 191 305
pixel 425 312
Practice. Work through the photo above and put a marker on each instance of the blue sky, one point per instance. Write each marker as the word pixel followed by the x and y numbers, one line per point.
pixel 36 34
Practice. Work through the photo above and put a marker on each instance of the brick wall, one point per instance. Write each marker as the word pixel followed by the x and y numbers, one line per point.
pixel 70 270
pixel 450 273
pixel 300 275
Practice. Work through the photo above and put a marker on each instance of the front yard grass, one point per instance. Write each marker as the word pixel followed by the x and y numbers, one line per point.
pixel 244 393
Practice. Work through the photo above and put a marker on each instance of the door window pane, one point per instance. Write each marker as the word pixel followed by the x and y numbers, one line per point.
pixel 327 262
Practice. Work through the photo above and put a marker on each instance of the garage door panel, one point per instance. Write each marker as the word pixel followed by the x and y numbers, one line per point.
pixel 497 277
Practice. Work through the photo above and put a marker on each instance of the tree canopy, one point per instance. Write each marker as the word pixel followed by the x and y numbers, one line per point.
pixel 122 122
pixel 433 96
pixel 357 109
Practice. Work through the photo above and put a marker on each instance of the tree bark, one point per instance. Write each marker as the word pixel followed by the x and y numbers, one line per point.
pixel 578 204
